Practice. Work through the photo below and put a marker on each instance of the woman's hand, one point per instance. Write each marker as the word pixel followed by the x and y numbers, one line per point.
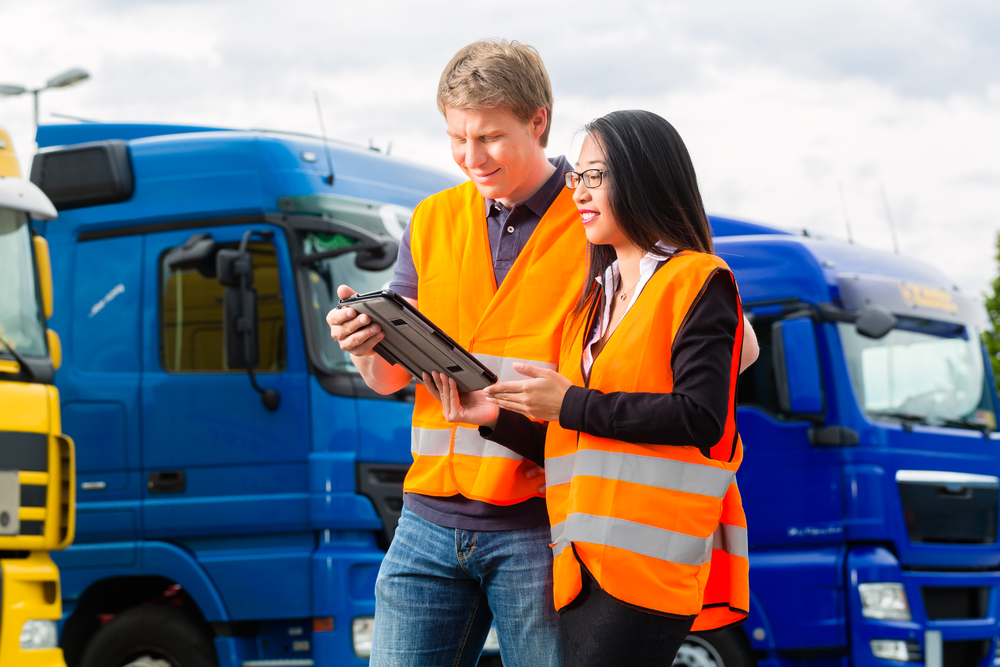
pixel 538 397
pixel 470 408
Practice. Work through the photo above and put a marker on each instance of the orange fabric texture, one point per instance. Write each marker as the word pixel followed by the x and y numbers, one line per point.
pixel 659 527
pixel 520 321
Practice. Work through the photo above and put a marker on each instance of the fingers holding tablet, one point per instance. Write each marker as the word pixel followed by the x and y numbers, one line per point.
pixel 356 333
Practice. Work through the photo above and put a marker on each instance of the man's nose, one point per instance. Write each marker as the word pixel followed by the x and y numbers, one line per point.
pixel 475 155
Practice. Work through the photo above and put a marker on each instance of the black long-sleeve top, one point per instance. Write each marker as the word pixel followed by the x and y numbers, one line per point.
pixel 693 413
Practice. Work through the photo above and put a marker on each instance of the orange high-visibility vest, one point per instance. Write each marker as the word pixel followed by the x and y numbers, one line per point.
pixel 660 527
pixel 520 321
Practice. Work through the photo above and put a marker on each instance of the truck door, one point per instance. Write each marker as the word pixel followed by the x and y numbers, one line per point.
pixel 217 462
pixel 791 491
pixel 99 385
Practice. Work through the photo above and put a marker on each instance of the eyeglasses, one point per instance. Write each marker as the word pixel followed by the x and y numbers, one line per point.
pixel 592 178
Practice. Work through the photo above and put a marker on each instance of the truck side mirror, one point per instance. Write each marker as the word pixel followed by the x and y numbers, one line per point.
pixel 44 261
pixel 796 367
pixel 875 322
pixel 234 269
pixel 240 328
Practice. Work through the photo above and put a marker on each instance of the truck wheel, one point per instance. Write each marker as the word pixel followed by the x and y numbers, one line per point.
pixel 153 636
pixel 726 648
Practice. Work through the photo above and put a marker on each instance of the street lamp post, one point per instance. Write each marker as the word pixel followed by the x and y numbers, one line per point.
pixel 67 78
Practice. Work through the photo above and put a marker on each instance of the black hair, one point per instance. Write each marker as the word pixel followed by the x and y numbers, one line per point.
pixel 652 189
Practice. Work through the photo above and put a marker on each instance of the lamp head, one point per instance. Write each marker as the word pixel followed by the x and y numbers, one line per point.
pixel 12 90
pixel 67 78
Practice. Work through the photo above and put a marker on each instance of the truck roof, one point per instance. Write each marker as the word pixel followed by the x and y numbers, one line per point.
pixel 771 268
pixel 187 173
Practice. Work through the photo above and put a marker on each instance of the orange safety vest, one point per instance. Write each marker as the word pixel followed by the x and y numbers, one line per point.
pixel 521 321
pixel 660 527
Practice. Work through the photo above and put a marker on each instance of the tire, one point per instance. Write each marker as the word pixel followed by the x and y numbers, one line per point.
pixel 154 636
pixel 726 648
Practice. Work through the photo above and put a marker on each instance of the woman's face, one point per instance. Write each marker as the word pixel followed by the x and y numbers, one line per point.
pixel 595 212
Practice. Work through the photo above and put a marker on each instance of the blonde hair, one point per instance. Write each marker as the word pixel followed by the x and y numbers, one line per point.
pixel 497 74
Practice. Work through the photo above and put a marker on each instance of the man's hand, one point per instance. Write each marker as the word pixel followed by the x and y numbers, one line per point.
pixel 470 408
pixel 536 471
pixel 538 397
pixel 355 333
pixel 358 335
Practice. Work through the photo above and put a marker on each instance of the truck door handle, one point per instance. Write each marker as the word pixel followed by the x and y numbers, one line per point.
pixel 166 482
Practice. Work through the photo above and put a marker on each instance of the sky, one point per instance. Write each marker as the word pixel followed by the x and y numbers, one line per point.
pixel 803 115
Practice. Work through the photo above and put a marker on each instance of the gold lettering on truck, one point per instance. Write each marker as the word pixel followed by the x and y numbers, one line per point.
pixel 928 297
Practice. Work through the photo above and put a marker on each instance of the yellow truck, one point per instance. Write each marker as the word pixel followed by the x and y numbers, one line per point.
pixel 37 478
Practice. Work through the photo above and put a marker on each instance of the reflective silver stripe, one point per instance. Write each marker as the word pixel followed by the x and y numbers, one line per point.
pixel 646 470
pixel 559 469
pixel 504 366
pixel 469 442
pixel 430 441
pixel 557 531
pixel 732 540
pixel 654 471
pixel 637 538
pixel 437 442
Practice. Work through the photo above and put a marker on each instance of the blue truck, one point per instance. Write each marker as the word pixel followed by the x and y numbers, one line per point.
pixel 239 483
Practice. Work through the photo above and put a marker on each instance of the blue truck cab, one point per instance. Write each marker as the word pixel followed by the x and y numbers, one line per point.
pixel 259 517
pixel 871 466
pixel 237 516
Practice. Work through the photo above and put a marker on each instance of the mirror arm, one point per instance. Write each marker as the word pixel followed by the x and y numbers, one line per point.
pixel 270 398
pixel 337 252
pixel 25 368
pixel 828 312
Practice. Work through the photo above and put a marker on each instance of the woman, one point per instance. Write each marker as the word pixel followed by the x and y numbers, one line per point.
pixel 641 446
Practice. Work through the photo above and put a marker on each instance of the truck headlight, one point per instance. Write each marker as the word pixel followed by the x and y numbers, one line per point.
pixel 38 634
pixel 890 649
pixel 362 629
pixel 886 601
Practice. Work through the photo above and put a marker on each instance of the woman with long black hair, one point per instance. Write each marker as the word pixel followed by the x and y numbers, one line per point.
pixel 640 447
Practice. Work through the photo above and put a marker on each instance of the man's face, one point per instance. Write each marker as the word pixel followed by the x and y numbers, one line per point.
pixel 498 151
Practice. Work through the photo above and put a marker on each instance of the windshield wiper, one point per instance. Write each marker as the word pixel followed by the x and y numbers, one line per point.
pixel 966 423
pixel 904 416
pixel 933 420
pixel 25 368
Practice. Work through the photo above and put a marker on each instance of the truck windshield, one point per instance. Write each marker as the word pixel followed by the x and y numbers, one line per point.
pixel 923 370
pixel 21 323
pixel 323 276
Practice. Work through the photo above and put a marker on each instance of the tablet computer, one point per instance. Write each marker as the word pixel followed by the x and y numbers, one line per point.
pixel 417 344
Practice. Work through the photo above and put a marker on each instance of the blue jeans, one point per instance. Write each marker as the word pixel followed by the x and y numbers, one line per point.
pixel 439 589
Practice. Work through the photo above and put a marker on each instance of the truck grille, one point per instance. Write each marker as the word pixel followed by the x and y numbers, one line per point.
pixel 943 604
pixel 965 654
pixel 382 483
pixel 948 507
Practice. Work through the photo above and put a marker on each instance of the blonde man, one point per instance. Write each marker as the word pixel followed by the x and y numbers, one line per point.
pixel 495 262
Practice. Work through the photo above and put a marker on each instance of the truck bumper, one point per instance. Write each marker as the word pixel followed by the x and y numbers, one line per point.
pixel 30 592
pixel 955 616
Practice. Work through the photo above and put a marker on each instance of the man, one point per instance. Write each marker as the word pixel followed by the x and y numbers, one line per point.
pixel 496 262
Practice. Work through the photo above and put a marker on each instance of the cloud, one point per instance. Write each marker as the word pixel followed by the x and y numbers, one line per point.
pixel 781 103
